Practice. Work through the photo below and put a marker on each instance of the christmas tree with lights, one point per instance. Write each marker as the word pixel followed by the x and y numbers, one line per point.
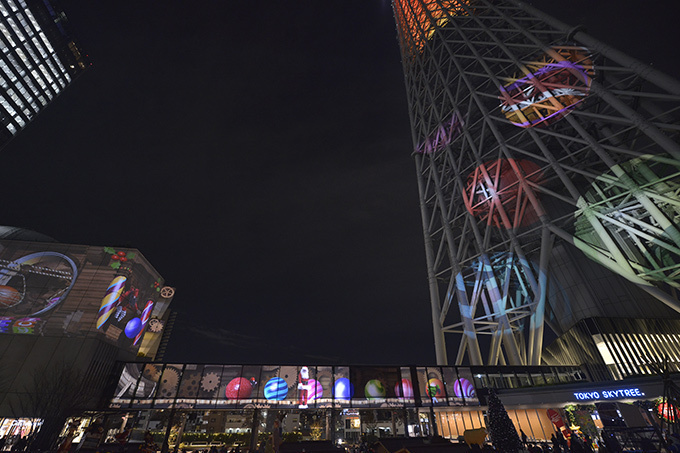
pixel 501 430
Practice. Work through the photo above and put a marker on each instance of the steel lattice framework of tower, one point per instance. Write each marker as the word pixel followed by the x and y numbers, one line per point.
pixel 530 136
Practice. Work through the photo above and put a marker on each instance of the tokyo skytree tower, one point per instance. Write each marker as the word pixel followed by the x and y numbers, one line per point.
pixel 548 168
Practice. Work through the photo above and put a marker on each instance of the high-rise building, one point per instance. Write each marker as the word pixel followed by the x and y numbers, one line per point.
pixel 39 59
pixel 549 176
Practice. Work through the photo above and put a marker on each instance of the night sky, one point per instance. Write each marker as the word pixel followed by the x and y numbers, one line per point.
pixel 258 154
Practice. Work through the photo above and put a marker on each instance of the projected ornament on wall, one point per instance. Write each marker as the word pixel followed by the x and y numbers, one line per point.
pixel 463 388
pixel 375 389
pixel 493 192
pixel 551 89
pixel 404 389
pixel 628 218
pixel 442 136
pixel 276 389
pixel 435 388
pixel 35 283
pixel 239 388
pixel 343 389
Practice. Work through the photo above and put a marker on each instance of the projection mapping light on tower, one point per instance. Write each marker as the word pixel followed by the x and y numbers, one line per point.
pixel 548 172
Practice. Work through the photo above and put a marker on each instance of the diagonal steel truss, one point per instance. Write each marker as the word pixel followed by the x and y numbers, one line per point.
pixel 528 134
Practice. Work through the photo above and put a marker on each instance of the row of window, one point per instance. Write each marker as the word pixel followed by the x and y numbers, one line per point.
pixel 37 65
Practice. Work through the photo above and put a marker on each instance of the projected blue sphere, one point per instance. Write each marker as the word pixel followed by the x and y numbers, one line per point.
pixel 343 389
pixel 276 389
pixel 133 327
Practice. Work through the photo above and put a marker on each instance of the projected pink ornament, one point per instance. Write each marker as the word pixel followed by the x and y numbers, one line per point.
pixel 239 388
pixel 442 136
pixel 404 389
pixel 494 188
pixel 315 390
pixel 463 388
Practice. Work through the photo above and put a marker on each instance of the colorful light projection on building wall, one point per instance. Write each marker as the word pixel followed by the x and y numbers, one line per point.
pixel 493 192
pixel 550 88
pixel 38 284
pixel 420 18
pixel 235 386
pixel 31 286
pixel 442 136
pixel 628 220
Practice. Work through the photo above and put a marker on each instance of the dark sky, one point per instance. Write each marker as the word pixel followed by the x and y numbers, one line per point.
pixel 258 154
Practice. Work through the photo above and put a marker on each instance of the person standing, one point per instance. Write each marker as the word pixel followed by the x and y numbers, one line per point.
pixel 276 436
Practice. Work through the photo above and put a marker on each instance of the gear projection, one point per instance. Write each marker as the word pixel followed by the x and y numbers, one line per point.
pixel 210 382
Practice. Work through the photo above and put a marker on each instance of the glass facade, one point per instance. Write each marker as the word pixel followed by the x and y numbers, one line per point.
pixel 206 386
pixel 618 348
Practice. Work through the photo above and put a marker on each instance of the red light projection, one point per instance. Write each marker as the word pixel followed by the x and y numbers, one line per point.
pixel 551 89
pixel 494 188
pixel 418 19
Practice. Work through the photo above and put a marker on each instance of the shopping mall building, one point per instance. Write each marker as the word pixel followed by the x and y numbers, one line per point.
pixel 98 317
pixel 351 401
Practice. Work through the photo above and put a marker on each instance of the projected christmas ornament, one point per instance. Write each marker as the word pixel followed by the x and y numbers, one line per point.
pixel 133 327
pixel 276 389
pixel 494 192
pixel 435 389
pixel 404 389
pixel 463 388
pixel 343 389
pixel 553 86
pixel 635 204
pixel 442 136
pixel 315 390
pixel 374 389
pixel 239 388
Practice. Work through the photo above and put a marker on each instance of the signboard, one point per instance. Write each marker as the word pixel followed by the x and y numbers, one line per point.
pixel 616 394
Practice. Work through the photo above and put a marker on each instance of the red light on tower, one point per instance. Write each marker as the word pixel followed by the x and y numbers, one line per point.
pixel 494 187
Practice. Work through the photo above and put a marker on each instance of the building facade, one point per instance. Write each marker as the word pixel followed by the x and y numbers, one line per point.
pixel 67 314
pixel 39 59
pixel 548 171
pixel 344 404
